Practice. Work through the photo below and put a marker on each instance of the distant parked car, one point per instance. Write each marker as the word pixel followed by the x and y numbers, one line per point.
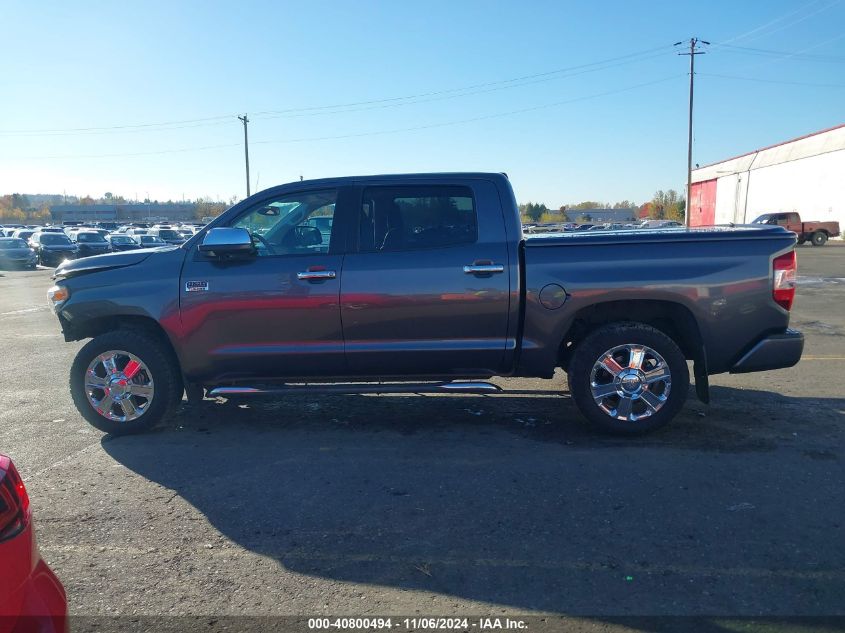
pixel 52 249
pixel 816 232
pixel 169 235
pixel 659 224
pixel 15 252
pixel 23 234
pixel 31 596
pixel 119 242
pixel 150 241
pixel 91 243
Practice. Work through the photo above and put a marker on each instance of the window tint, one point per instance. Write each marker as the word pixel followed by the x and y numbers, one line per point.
pixel 296 224
pixel 10 244
pixel 89 237
pixel 410 218
pixel 53 239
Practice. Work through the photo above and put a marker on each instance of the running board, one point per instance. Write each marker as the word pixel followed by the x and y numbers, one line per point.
pixel 407 387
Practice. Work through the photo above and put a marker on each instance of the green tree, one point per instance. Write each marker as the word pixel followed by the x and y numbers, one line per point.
pixel 588 204
pixel 533 212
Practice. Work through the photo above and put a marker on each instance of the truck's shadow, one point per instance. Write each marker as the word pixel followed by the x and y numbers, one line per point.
pixel 510 501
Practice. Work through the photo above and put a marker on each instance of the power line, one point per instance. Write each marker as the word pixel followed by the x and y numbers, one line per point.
pixel 115 127
pixel 442 97
pixel 771 53
pixel 748 34
pixel 328 109
pixel 474 86
pixel 370 133
pixel 773 81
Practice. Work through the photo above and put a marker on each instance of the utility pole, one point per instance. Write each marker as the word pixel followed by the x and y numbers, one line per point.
pixel 693 51
pixel 245 120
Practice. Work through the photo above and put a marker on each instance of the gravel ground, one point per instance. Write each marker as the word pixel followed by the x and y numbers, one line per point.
pixel 441 504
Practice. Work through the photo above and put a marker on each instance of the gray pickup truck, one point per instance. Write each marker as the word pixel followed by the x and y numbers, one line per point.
pixel 422 283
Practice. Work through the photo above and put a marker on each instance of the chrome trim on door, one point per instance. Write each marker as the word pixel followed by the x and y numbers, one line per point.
pixel 315 275
pixel 484 269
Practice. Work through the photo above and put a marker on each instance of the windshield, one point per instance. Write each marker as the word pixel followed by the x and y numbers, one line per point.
pixel 169 234
pixel 762 219
pixel 122 239
pixel 89 237
pixel 54 239
pixel 15 243
pixel 151 239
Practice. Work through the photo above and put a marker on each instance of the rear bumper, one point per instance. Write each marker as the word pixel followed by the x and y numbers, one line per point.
pixel 776 351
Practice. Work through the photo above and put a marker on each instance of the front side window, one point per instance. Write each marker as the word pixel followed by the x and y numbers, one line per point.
pixel 296 224
pixel 416 217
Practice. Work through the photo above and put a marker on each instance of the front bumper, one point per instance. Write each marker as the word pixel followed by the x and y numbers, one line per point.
pixel 57 257
pixel 18 261
pixel 776 351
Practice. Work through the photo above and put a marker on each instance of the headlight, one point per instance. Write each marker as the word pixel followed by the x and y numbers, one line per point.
pixel 58 295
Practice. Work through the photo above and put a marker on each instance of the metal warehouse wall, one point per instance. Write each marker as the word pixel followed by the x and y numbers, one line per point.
pixel 806 175
pixel 814 186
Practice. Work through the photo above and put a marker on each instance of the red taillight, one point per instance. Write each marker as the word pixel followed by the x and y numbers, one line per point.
pixel 14 502
pixel 784 273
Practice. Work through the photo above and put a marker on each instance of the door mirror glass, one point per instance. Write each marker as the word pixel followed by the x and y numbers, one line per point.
pixel 224 241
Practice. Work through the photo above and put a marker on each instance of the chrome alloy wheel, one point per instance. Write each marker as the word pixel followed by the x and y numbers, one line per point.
pixel 630 382
pixel 119 386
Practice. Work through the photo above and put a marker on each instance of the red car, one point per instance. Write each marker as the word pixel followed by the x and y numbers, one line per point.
pixel 31 597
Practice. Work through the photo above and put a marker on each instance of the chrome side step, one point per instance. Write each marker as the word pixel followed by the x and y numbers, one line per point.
pixel 394 387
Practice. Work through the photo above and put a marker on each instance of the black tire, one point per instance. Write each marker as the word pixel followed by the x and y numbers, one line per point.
pixel 609 337
pixel 159 361
pixel 819 238
pixel 802 240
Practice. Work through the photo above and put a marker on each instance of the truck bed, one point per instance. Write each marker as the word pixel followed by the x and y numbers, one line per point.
pixel 672 234
pixel 719 277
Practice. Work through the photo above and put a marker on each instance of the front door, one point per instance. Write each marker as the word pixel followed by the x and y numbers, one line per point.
pixel 427 291
pixel 276 313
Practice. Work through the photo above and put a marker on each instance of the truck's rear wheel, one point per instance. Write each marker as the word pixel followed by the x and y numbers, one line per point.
pixel 628 378
pixel 801 239
pixel 124 381
pixel 819 238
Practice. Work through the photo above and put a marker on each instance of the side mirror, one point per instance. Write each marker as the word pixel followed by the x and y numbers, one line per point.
pixel 309 235
pixel 224 241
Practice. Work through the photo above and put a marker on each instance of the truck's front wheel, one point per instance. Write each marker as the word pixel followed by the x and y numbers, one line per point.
pixel 124 381
pixel 628 378
pixel 819 238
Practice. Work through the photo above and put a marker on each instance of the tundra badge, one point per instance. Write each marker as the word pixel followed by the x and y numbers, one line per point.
pixel 196 286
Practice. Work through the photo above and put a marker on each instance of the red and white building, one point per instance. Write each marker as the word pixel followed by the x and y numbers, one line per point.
pixel 806 175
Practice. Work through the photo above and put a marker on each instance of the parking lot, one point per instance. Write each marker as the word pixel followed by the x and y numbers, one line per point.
pixel 441 504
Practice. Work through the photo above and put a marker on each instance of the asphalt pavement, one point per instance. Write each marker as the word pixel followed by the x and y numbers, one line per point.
pixel 441 504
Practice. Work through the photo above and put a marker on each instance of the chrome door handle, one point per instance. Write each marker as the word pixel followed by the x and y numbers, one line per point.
pixel 316 275
pixel 484 269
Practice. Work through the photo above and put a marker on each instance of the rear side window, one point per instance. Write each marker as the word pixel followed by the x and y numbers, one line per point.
pixel 416 217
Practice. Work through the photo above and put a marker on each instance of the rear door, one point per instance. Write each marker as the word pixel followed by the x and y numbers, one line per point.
pixel 426 291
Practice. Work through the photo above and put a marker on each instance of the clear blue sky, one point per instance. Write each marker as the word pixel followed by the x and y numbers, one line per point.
pixel 100 64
